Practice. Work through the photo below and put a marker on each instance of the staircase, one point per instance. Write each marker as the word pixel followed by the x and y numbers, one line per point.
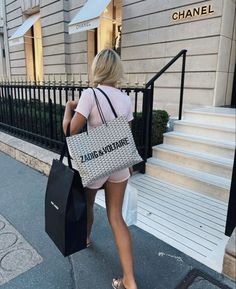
pixel 182 198
pixel 198 155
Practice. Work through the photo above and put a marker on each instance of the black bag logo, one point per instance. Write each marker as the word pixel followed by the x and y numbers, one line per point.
pixel 109 148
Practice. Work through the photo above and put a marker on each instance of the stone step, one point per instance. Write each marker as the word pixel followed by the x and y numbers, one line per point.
pixel 200 144
pixel 205 130
pixel 211 185
pixel 212 116
pixel 199 161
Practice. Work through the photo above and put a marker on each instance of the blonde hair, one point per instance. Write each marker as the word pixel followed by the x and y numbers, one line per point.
pixel 107 67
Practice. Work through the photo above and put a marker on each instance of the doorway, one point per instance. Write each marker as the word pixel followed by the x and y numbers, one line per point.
pixel 108 34
pixel 33 52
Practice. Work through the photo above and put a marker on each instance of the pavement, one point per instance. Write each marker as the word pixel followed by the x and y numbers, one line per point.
pixel 157 265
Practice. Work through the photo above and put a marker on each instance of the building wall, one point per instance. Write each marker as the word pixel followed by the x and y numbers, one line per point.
pixel 54 36
pixel 77 45
pixel 1 15
pixel 2 60
pixel 62 53
pixel 150 38
pixel 232 65
pixel 14 19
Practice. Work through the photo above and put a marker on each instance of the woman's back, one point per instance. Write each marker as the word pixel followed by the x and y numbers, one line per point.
pixel 88 108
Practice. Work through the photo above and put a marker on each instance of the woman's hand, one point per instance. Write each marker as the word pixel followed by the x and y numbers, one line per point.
pixel 76 122
pixel 71 104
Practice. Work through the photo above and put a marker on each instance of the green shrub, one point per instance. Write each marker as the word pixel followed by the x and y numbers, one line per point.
pixel 159 126
pixel 160 119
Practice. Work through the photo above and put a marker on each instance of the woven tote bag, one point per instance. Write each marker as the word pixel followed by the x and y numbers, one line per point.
pixel 105 149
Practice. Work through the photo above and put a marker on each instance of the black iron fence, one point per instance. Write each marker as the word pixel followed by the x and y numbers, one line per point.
pixel 34 111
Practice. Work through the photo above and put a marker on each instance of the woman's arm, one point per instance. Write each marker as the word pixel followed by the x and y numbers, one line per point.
pixel 77 122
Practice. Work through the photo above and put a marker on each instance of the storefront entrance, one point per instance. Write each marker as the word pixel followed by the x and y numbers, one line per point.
pixel 108 33
pixel 102 24
pixel 29 34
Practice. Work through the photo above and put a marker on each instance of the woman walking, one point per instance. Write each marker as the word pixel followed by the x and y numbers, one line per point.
pixel 106 72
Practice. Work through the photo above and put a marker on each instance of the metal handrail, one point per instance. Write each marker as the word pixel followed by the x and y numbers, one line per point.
pixel 148 108
pixel 184 51
pixel 150 83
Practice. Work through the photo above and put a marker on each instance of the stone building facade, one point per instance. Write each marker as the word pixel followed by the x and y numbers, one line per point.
pixel 147 33
pixel 2 50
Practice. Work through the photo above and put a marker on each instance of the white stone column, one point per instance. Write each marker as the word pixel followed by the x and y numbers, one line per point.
pixel 226 56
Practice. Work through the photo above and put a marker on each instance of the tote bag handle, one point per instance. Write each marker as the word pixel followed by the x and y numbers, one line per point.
pixel 99 107
pixel 65 149
pixel 112 108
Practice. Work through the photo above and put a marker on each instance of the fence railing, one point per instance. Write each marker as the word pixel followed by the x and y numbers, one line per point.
pixel 34 111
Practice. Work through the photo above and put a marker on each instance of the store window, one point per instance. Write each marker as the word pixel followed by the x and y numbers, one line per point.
pixel 108 33
pixel 33 52
pixel 29 34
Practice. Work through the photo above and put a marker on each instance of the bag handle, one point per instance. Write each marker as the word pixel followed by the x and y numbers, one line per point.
pixel 99 107
pixel 112 107
pixel 65 149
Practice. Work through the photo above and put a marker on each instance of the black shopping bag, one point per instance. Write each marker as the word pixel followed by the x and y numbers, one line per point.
pixel 65 207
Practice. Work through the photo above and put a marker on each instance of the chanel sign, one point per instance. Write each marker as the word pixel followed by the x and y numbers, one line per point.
pixel 194 12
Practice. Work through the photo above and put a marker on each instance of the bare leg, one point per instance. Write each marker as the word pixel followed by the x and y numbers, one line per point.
pixel 90 194
pixel 114 193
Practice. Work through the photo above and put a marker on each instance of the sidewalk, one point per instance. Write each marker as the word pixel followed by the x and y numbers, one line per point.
pixel 157 265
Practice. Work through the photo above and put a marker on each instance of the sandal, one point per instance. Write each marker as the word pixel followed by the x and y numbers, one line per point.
pixel 89 244
pixel 118 284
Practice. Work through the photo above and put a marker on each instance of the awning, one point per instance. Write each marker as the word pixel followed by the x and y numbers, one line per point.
pixel 88 17
pixel 18 36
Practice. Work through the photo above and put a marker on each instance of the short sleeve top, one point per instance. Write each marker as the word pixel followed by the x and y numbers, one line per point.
pixel 88 108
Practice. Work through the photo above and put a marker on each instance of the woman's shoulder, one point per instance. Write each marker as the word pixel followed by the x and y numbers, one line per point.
pixel 113 90
pixel 87 91
pixel 115 94
pixel 87 94
pixel 125 96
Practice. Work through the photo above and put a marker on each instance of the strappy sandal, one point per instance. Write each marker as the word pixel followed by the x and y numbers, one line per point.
pixel 89 244
pixel 118 284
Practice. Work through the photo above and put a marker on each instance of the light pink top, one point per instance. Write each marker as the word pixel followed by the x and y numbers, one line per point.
pixel 88 108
